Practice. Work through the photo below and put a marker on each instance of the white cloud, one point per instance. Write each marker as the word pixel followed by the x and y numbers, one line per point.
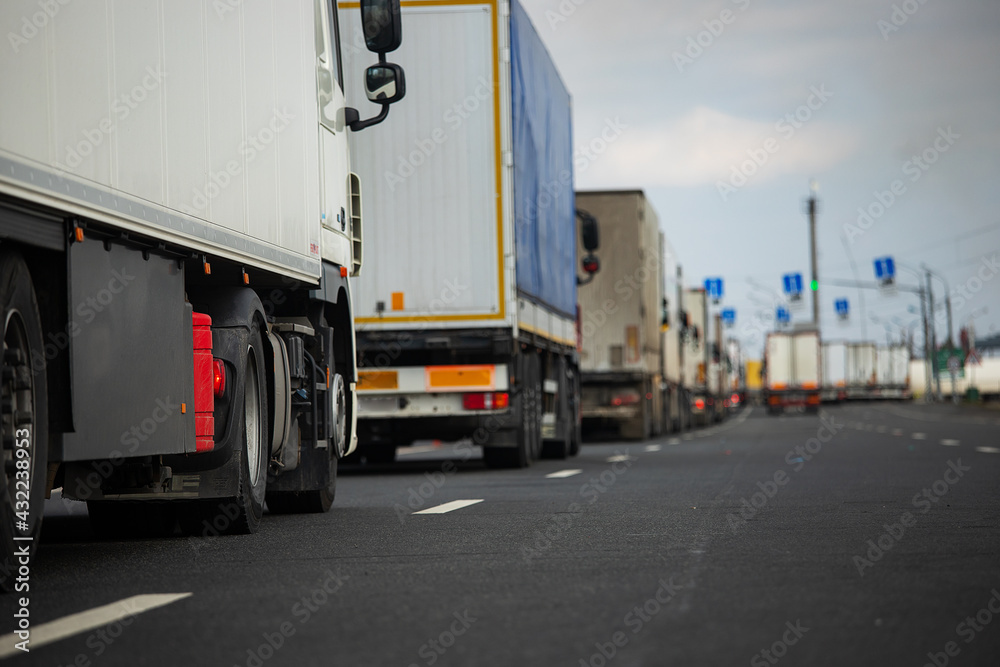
pixel 704 145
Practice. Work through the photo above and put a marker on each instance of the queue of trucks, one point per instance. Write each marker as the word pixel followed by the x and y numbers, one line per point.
pixel 217 289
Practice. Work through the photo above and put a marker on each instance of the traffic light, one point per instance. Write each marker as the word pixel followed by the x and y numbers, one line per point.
pixel 814 285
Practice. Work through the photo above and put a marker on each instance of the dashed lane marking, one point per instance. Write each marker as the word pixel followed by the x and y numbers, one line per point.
pixel 449 507
pixel 919 436
pixel 950 443
pixel 74 624
pixel 653 448
pixel 988 450
pixel 618 458
pixel 562 474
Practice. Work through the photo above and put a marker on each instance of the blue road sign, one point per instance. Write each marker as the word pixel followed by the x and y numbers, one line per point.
pixel 782 315
pixel 792 283
pixel 729 316
pixel 843 308
pixel 885 270
pixel 713 286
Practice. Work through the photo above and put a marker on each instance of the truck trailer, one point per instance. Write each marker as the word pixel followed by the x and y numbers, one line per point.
pixel 178 221
pixel 622 319
pixel 701 369
pixel 862 370
pixel 892 373
pixel 468 329
pixel 834 372
pixel 793 370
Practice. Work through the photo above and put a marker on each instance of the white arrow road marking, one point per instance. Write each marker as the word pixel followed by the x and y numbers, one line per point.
pixel 74 624
pixel 563 473
pixel 449 507
pixel 950 443
pixel 988 450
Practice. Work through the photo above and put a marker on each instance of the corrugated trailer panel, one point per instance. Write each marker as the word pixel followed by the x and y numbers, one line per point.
pixel 861 364
pixel 185 136
pixel 474 177
pixel 620 308
pixel 807 361
pixel 834 365
pixel 432 225
pixel 780 373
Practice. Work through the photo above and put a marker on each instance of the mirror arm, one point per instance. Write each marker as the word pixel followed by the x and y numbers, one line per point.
pixel 586 281
pixel 353 119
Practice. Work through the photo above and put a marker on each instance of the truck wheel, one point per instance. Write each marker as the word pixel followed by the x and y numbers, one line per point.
pixel 305 502
pixel 528 432
pixel 24 420
pixel 249 505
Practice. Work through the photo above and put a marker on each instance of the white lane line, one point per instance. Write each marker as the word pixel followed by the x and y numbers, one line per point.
pixel 897 431
pixel 919 436
pixel 674 441
pixel 74 624
pixel 417 449
pixel 618 458
pixel 653 448
pixel 950 443
pixel 988 450
pixel 564 473
pixel 449 507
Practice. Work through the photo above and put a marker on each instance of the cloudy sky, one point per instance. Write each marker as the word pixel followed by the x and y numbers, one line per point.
pixel 861 95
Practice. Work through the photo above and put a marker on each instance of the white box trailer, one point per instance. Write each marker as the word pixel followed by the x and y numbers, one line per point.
pixel 793 363
pixel 861 370
pixel 468 326
pixel 701 372
pixel 834 372
pixel 179 218
pixel 621 317
pixel 892 375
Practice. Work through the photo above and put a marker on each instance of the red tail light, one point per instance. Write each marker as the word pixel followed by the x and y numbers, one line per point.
pixel 699 403
pixel 492 401
pixel 220 378
pixel 735 399
pixel 625 399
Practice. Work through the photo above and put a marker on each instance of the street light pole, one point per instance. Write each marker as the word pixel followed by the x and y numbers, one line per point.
pixel 930 306
pixel 814 285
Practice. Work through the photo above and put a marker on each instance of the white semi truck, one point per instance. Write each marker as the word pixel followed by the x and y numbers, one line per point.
pixel 793 370
pixel 468 327
pixel 622 319
pixel 178 222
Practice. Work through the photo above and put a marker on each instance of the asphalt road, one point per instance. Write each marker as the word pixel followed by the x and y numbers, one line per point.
pixel 787 540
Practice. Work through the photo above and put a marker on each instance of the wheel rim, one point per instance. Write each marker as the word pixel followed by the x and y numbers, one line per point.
pixel 339 415
pixel 251 418
pixel 18 392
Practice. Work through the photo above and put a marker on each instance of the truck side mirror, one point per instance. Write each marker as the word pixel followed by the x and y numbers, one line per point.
pixel 382 24
pixel 385 83
pixel 589 233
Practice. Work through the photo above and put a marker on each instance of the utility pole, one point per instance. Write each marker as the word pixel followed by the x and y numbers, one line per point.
pixel 928 384
pixel 930 307
pixel 814 285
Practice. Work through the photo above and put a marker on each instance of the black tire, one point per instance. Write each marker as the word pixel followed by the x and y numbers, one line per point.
pixel 528 431
pixel 576 439
pixel 248 506
pixel 25 418
pixel 305 502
